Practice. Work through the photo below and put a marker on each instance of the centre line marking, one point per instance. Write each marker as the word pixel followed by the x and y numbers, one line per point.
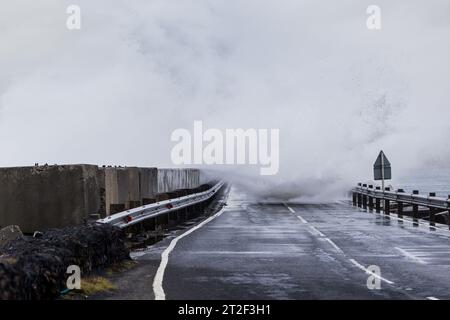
pixel 432 298
pixel 158 289
pixel 360 266
pixel 334 245
pixel 289 208
pixel 301 219
pixel 293 211
pixel 317 231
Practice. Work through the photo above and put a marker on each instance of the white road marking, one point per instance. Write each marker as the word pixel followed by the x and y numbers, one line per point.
pixel 428 253
pixel 289 208
pixel 410 256
pixel 301 219
pixel 293 211
pixel 279 252
pixel 360 266
pixel 316 231
pixel 432 298
pixel 334 245
pixel 158 281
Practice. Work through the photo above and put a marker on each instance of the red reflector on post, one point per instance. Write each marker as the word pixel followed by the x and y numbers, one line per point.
pixel 128 218
pixel 169 206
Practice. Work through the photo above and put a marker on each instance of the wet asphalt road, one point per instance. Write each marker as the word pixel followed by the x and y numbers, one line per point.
pixel 291 251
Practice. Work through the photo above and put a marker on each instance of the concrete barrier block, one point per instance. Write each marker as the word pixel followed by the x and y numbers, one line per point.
pixel 42 197
pixel 162 197
pixel 126 188
pixel 173 179
pixel 128 182
pixel 148 183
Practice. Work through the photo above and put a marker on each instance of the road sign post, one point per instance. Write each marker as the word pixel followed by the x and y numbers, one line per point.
pixel 382 171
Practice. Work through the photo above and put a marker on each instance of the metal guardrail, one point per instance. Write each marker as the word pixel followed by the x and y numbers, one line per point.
pixel 130 217
pixel 416 199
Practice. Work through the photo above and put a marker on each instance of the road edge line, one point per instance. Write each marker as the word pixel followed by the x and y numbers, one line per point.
pixel 158 289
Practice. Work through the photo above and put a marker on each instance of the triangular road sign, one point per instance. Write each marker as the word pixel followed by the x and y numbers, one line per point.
pixel 382 168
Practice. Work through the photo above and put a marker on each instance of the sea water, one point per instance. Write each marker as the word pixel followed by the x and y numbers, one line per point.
pixel 430 180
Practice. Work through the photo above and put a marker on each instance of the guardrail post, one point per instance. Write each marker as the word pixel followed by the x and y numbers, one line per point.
pixel 432 212
pixel 400 205
pixel 157 223
pixel 359 196
pixel 364 198
pixel 448 211
pixel 199 209
pixel 167 219
pixel 189 212
pixel 387 204
pixel 415 212
pixel 370 199
pixel 359 200
pixel 172 218
pixel 355 196
pixel 185 213
pixel 149 224
pixel 377 202
pixel 162 221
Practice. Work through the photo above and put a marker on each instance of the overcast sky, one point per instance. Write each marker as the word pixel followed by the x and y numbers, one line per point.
pixel 112 92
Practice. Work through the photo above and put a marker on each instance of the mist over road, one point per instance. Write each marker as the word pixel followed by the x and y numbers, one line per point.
pixel 337 91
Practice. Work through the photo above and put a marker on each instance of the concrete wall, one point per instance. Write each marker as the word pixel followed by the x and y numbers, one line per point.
pixel 37 198
pixel 128 187
pixel 172 179
pixel 121 188
pixel 148 179
pixel 42 197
